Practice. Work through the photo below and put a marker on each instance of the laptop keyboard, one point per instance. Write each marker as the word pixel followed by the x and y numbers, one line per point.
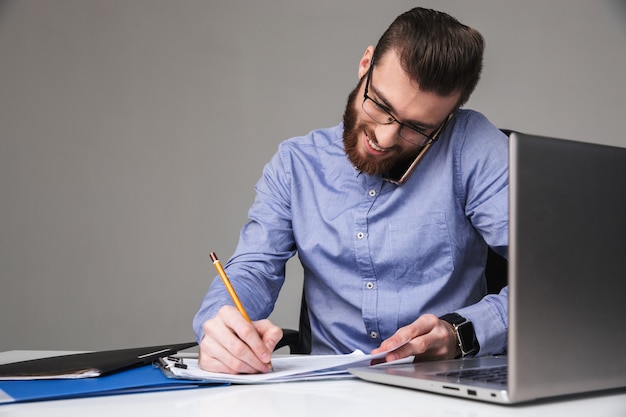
pixel 494 375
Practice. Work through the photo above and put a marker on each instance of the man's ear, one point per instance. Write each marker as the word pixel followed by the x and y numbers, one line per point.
pixel 364 63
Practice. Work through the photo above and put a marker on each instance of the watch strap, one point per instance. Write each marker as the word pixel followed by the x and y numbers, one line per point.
pixel 464 332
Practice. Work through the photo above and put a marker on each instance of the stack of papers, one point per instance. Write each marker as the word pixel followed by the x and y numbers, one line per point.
pixel 286 368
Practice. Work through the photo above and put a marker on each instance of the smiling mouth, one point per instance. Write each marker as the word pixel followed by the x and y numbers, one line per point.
pixel 373 145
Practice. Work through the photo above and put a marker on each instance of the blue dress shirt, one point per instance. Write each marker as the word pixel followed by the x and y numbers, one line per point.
pixel 377 255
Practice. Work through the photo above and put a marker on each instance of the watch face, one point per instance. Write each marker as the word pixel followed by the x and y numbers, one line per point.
pixel 467 338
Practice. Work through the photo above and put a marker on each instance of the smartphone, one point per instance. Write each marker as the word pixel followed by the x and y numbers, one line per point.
pixel 399 174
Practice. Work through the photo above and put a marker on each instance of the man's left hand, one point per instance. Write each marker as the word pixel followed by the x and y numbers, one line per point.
pixel 427 338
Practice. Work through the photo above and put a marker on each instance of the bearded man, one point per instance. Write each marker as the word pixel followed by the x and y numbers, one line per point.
pixel 391 214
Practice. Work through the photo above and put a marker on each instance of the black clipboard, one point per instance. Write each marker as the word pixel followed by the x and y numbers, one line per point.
pixel 86 365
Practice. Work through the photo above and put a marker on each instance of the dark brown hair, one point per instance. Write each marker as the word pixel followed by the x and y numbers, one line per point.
pixel 437 51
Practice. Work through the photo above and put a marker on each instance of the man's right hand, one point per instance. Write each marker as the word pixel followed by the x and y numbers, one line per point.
pixel 233 345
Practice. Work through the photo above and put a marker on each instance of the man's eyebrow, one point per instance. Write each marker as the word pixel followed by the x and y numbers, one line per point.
pixel 411 123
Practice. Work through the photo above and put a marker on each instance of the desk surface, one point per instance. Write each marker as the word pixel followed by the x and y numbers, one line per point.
pixel 324 398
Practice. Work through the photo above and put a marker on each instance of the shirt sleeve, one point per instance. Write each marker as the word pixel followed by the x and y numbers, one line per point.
pixel 483 177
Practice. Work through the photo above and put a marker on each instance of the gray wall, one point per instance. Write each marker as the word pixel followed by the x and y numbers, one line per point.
pixel 133 131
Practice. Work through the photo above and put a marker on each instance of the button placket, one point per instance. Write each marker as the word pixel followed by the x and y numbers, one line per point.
pixel 370 194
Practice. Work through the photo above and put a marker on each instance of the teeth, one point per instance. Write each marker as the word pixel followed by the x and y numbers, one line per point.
pixel 374 146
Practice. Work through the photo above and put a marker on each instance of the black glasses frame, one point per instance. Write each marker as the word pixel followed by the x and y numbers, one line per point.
pixel 428 139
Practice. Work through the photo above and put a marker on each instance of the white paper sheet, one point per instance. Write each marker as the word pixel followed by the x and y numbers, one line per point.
pixel 286 368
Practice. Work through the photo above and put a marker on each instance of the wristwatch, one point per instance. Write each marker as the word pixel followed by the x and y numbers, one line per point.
pixel 464 332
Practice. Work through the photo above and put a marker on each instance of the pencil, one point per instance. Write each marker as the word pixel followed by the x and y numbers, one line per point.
pixel 231 291
pixel 229 287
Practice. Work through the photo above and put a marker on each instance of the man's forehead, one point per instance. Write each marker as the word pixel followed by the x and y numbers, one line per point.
pixel 403 96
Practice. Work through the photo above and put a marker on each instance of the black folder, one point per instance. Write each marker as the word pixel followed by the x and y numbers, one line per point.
pixel 85 365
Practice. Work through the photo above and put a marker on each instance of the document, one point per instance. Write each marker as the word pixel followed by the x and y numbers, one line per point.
pixel 286 368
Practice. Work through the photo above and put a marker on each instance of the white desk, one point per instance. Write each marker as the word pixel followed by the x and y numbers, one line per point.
pixel 344 398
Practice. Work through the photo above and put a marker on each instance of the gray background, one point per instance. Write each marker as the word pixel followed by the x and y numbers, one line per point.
pixel 133 131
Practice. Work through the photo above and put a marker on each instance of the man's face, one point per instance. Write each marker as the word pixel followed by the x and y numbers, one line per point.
pixel 376 148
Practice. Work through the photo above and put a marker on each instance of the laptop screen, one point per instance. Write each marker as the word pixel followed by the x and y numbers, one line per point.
pixel 566 266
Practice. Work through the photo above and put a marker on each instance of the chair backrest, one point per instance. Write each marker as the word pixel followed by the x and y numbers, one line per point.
pixel 496 272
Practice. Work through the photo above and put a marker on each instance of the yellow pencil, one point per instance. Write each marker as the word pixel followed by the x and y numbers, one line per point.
pixel 229 287
pixel 231 290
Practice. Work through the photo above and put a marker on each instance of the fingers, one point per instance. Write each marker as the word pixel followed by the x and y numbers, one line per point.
pixel 270 334
pixel 428 339
pixel 233 345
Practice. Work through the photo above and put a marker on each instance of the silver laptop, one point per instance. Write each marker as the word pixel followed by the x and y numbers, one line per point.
pixel 567 272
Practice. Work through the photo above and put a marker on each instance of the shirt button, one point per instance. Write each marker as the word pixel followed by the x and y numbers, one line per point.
pixel 360 235
pixel 369 285
pixel 372 193
pixel 373 335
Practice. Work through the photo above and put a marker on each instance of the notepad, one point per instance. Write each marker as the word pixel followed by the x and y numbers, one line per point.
pixel 286 368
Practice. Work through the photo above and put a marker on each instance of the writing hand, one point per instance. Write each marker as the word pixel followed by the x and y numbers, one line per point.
pixel 233 345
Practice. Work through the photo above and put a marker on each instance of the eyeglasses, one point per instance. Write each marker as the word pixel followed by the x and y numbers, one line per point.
pixel 380 114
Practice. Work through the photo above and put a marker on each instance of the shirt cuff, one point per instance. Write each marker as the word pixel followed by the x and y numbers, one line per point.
pixel 490 320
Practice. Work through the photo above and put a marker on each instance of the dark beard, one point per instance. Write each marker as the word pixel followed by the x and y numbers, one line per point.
pixel 351 130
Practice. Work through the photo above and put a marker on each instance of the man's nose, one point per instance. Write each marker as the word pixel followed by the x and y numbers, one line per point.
pixel 387 135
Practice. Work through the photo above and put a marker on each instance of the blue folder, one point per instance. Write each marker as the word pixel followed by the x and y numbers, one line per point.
pixel 146 378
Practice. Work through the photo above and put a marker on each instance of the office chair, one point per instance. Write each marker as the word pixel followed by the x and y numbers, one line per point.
pixel 299 341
